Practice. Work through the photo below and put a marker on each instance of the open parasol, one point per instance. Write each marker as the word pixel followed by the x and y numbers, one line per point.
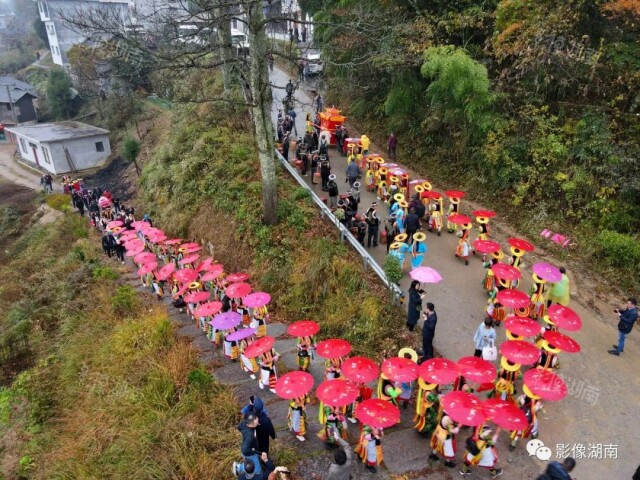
pixel 506 272
pixel 212 274
pixel 337 393
pixel 237 277
pixel 333 348
pixel 204 264
pixel 157 238
pixel 145 257
pixel 135 250
pixel 196 297
pixel 377 413
pixel 458 219
pixel 303 328
pixel 166 271
pixel 226 320
pixel 147 268
pixel 522 326
pixel 208 309
pixel 294 385
pixel 133 243
pixel 561 341
pixel 486 246
pixel 257 299
pixel 505 414
pixel 186 275
pixel 484 213
pixel 260 346
pixel 172 241
pixel 399 369
pixel 438 370
pixel 476 370
pixel 114 223
pixel 189 245
pixel 138 224
pixel 240 334
pixel 454 194
pixel 545 384
pixel 547 272
pixel 359 369
pixel 425 275
pixel 189 259
pixel 521 244
pixel 519 351
pixel 464 407
pixel 564 317
pixel 512 298
pixel 238 290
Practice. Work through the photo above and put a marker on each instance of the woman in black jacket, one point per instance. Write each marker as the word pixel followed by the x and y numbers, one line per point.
pixel 416 294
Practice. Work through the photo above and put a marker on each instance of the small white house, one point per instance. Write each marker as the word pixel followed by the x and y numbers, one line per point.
pixel 62 147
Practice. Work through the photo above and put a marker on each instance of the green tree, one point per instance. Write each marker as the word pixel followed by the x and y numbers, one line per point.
pixel 460 89
pixel 130 152
pixel 59 101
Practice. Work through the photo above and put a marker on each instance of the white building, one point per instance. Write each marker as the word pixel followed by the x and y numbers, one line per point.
pixel 62 147
pixel 61 36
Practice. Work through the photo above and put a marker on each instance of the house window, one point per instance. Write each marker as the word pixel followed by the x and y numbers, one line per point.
pixel 23 145
pixel 46 9
pixel 8 107
pixel 99 147
pixel 40 6
pixel 47 157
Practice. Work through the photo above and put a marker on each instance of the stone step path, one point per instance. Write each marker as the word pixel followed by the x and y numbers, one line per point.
pixel 405 451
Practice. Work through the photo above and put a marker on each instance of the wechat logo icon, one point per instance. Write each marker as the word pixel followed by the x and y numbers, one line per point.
pixel 536 448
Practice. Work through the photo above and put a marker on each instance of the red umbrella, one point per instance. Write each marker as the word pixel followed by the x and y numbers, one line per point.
pixel 237 277
pixel 144 257
pixel 172 241
pixel 133 243
pixel 138 224
pixel 213 273
pixel 303 328
pixel 521 244
pixel 377 413
pixel 337 393
pixel 133 251
pixel 189 259
pixel 519 351
pixel 152 232
pixel 545 384
pixel 458 219
pixel 486 246
pixel 208 309
pixel 484 213
pixel 432 194
pixel 238 290
pixel 506 272
pixel 186 275
pixel 294 385
pixel 399 369
pixel 159 238
pixel 189 245
pixel 512 298
pixel 204 264
pixel 127 235
pixel 359 369
pixel 196 297
pixel 464 407
pixel 333 348
pixel 561 341
pixel 505 414
pixel 454 194
pixel 476 369
pixel 438 370
pixel 522 326
pixel 114 223
pixel 166 271
pixel 256 299
pixel 564 318
pixel 147 268
pixel 260 346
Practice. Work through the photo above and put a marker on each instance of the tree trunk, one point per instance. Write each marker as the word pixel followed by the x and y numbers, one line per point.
pixel 261 110
pixel 223 30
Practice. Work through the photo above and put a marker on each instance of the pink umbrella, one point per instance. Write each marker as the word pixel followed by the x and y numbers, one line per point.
pixel 204 264
pixel 333 348
pixel 512 298
pixel 438 370
pixel 135 251
pixel 547 272
pixel 186 275
pixel 425 275
pixel 522 326
pixel 238 290
pixel 151 231
pixel 147 268
pixel 505 414
pixel 104 202
pixel 256 299
pixel 519 351
pixel 399 369
pixel 237 277
pixel 506 272
pixel 172 241
pixel 564 317
pixel 240 334
pixel 166 271
pixel 359 369
pixel 546 384
pixel 294 384
pixel 196 297
pixel 190 245
pixel 464 407
pixel 213 274
pixel 114 223
pixel 189 259
pixel 138 224
pixel 133 243
pixel 208 309
pixel 337 393
pixel 476 369
pixel 377 413
pixel 258 347
pixel 144 257
pixel 303 328
pixel 226 320
pixel 127 235
pixel 189 251
pixel 561 341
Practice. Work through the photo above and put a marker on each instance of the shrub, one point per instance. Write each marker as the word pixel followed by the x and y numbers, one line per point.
pixel 393 269
pixel 58 201
pixel 124 301
pixel 619 250
pixel 101 272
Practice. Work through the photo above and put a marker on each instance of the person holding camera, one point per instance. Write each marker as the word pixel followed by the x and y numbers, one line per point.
pixel 340 469
pixel 627 318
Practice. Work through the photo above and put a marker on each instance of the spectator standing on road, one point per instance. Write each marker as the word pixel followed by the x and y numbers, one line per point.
pixel 416 295
pixel 392 143
pixel 374 225
pixel 304 34
pixel 264 430
pixel 485 336
pixel 559 471
pixel 292 114
pixel 412 223
pixel 325 173
pixel 627 318
pixel 332 187
pixel 318 102
pixel 285 146
pixel 342 464
pixel 107 246
pixel 301 70
pixel 429 330
pixel 353 173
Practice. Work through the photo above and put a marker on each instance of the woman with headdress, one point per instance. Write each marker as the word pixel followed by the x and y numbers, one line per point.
pixel 369 447
pixel 427 407
pixel 297 418
pixel 418 249
pixel 443 441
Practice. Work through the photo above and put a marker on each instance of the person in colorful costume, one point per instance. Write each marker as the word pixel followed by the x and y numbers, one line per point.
pixel 463 248
pixel 387 390
pixel 427 407
pixel 435 220
pixel 305 347
pixel 333 422
pixel 515 260
pixel 489 281
pixel 398 249
pixel 230 347
pixel 454 208
pixel 443 441
pixel 249 365
pixel 260 315
pixel 332 368
pixel 418 249
pixel 268 373
pixel 369 447
pixel 548 355
pixel 495 309
pixel 297 417
pixel 505 385
pixel 365 394
pixel 537 307
pixel 560 291
pixel 530 405
pixel 482 452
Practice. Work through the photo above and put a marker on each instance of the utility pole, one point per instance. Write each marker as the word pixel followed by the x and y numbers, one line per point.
pixel 11 106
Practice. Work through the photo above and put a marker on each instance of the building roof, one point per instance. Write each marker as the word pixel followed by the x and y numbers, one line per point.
pixel 15 94
pixel 15 83
pixel 18 89
pixel 58 131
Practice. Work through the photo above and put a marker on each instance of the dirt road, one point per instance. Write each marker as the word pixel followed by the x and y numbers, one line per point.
pixel 13 171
